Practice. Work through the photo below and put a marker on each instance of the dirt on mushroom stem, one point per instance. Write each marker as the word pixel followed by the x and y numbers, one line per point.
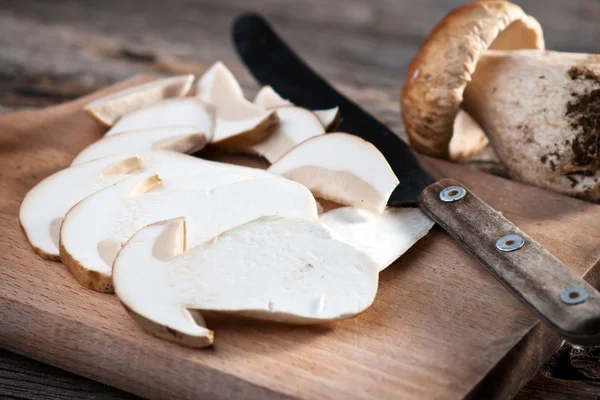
pixel 584 113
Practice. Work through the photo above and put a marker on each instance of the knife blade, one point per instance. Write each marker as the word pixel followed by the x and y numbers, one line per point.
pixel 559 297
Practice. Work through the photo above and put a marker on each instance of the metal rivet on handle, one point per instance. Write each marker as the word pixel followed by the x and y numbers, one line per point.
pixel 452 193
pixel 510 243
pixel 574 295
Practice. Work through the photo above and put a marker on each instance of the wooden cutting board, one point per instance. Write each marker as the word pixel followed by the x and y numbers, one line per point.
pixel 441 326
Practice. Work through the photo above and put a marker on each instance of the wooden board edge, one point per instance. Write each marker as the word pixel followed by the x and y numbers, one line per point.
pixel 66 354
pixel 527 357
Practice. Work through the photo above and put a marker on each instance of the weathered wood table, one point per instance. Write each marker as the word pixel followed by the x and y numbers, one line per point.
pixel 51 52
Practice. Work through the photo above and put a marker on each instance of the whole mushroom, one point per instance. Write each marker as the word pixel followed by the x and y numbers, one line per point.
pixel 540 109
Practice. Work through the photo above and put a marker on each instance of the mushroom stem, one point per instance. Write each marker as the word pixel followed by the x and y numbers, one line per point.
pixel 541 111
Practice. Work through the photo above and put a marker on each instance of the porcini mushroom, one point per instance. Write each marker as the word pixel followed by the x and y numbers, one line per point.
pixel 45 205
pixel 173 112
pixel 109 109
pixel 268 99
pixel 182 139
pixel 437 77
pixel 382 236
pixel 94 230
pixel 239 123
pixel 295 126
pixel 342 168
pixel 539 108
pixel 273 268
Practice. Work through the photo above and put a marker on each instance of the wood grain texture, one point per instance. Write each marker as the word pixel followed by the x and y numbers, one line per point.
pixel 442 321
pixel 51 52
pixel 535 276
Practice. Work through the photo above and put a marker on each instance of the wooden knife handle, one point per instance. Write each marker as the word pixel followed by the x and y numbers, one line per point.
pixel 556 294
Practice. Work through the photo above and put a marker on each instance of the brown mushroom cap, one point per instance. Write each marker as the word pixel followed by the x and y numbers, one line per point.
pixel 438 75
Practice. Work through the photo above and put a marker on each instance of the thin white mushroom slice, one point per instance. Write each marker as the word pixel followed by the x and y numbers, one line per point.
pixel 340 167
pixel 109 109
pixel 269 99
pixel 330 118
pixel 186 111
pixel 94 230
pixel 273 268
pixel 181 139
pixel 45 205
pixel 295 126
pixel 384 237
pixel 239 123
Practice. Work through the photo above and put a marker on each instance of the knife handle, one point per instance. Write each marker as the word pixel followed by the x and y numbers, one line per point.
pixel 556 294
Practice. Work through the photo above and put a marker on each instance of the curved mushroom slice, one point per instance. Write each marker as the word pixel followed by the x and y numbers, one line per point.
pixel 174 112
pixel 94 230
pixel 273 268
pixel 295 126
pixel 45 205
pixel 268 99
pixel 340 167
pixel 181 139
pixel 383 237
pixel 239 122
pixel 330 118
pixel 109 109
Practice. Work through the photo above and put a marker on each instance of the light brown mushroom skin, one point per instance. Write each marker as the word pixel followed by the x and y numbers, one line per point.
pixel 541 110
pixel 438 75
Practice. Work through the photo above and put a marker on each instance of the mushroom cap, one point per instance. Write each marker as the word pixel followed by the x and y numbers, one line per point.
pixel 438 75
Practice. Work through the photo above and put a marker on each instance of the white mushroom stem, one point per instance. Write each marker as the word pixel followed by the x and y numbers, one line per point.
pixel 541 111
pixel 282 269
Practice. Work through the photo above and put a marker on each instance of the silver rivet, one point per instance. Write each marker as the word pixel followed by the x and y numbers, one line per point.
pixel 573 295
pixel 452 193
pixel 510 243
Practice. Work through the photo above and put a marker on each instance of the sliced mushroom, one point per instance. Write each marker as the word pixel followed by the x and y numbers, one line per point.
pixel 382 236
pixel 269 99
pixel 109 109
pixel 438 75
pixel 340 167
pixel 282 269
pixel 181 139
pixel 295 126
pixel 174 112
pixel 94 230
pixel 239 123
pixel 45 205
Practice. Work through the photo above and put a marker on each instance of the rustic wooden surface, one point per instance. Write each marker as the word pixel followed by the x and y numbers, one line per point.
pixel 55 51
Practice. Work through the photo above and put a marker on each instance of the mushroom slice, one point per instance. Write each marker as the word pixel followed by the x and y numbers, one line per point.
pixel 384 237
pixel 109 109
pixel 94 230
pixel 239 123
pixel 273 268
pixel 295 126
pixel 45 205
pixel 438 75
pixel 340 167
pixel 268 99
pixel 181 139
pixel 186 111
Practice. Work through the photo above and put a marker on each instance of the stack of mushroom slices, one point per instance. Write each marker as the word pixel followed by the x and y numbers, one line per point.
pixel 173 235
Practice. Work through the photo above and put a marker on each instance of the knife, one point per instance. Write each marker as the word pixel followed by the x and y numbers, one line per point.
pixel 559 297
